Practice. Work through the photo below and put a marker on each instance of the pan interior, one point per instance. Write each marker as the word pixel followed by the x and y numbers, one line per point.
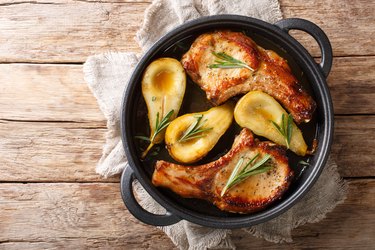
pixel 195 101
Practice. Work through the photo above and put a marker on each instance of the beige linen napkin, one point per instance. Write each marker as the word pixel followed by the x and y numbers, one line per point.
pixel 107 76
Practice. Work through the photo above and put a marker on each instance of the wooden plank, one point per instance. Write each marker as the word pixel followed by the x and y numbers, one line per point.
pixel 353 146
pixel 352 85
pixel 12 2
pixel 344 228
pixel 151 241
pixel 45 93
pixel 52 152
pixel 39 32
pixel 72 215
pixel 348 26
pixel 67 32
pixel 67 215
pixel 59 93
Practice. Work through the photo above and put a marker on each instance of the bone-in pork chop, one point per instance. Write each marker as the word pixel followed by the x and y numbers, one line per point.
pixel 207 181
pixel 271 73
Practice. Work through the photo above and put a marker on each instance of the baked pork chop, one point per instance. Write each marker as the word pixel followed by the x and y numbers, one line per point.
pixel 269 72
pixel 207 181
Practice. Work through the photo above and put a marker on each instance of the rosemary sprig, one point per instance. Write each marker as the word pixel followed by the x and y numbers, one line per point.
pixel 155 152
pixel 159 127
pixel 303 163
pixel 238 175
pixel 143 138
pixel 195 130
pixel 227 62
pixel 285 128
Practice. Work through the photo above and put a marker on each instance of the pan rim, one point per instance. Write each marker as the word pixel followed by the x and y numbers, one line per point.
pixel 320 91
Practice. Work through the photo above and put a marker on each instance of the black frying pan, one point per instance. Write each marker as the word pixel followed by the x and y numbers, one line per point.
pixel 134 120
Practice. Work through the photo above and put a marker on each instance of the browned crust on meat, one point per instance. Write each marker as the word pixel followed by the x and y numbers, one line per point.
pixel 272 74
pixel 197 182
pixel 253 58
pixel 238 205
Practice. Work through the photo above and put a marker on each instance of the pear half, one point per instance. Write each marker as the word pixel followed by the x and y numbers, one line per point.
pixel 163 88
pixel 259 111
pixel 213 124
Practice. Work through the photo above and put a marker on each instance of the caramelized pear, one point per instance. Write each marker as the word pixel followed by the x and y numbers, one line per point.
pixel 191 136
pixel 262 114
pixel 163 88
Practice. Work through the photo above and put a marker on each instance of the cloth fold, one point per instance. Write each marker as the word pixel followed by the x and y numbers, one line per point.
pixel 164 15
pixel 107 76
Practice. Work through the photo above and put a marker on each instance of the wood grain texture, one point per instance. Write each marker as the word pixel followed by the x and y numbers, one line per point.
pixel 50 151
pixel 348 25
pixel 49 92
pixel 41 92
pixel 59 31
pixel 72 215
pixel 13 2
pixel 353 146
pixel 352 85
pixel 52 130
pixel 68 215
pixel 67 32
pixel 40 151
pixel 341 229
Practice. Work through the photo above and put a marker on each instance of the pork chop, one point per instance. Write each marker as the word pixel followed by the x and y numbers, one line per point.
pixel 270 73
pixel 207 181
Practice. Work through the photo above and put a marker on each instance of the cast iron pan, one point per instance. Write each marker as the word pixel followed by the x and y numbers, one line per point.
pixel 134 120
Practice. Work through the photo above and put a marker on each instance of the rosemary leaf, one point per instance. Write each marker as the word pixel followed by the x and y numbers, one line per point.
pixel 196 134
pixel 226 57
pixel 195 130
pixel 285 128
pixel 304 163
pixel 260 170
pixel 259 163
pixel 155 152
pixel 140 137
pixel 192 126
pixel 227 62
pixel 159 127
pixel 249 163
pixel 277 127
pixel 238 175
pixel 254 172
pixel 157 122
pixel 232 176
pixel 290 127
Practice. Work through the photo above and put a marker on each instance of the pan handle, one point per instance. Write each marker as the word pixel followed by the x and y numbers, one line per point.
pixel 317 33
pixel 136 210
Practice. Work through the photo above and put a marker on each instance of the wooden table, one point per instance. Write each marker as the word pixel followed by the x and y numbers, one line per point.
pixel 52 130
